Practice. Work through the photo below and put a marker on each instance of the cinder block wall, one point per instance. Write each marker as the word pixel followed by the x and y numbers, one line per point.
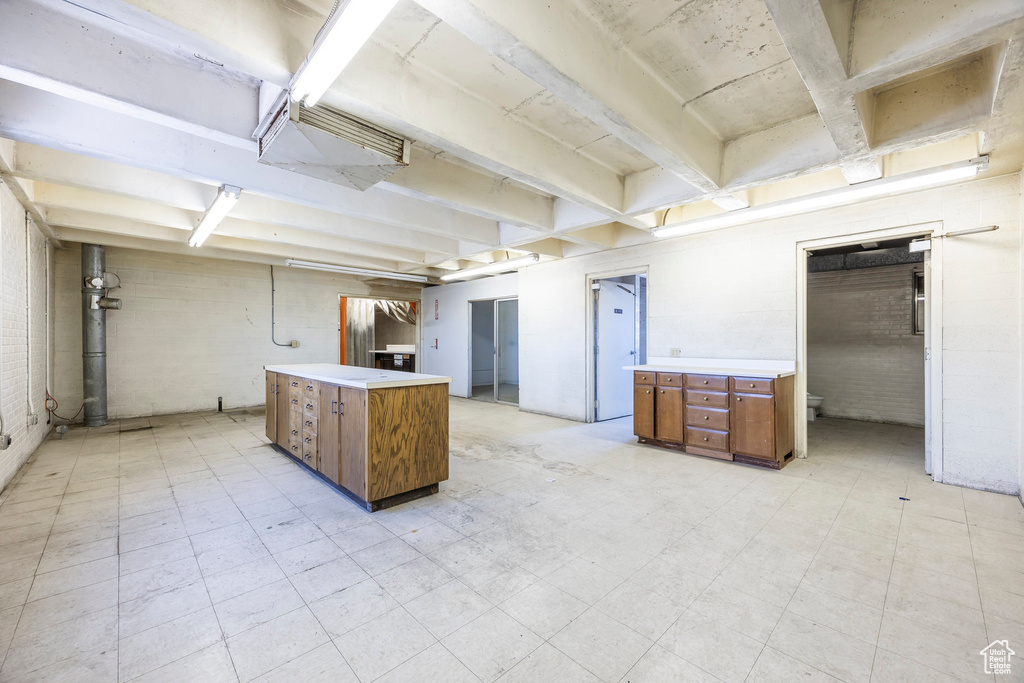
pixel 862 354
pixel 23 340
pixel 733 294
pixel 192 329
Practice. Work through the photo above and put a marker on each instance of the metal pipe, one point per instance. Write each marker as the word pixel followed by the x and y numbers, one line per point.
pixel 94 337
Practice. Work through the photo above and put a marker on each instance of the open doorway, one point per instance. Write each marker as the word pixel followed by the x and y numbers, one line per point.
pixel 494 350
pixel 378 333
pixel 620 340
pixel 866 354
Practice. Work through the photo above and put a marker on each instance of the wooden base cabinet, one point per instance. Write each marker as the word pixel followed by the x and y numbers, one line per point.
pixel 744 419
pixel 381 447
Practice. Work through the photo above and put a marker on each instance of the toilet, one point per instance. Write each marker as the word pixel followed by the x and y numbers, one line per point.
pixel 813 404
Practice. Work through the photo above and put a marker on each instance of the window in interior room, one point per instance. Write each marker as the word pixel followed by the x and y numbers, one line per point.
pixel 918 302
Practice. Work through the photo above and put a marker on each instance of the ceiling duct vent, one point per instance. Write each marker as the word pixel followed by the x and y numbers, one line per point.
pixel 325 143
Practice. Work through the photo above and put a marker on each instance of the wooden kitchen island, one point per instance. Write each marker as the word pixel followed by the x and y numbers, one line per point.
pixel 730 410
pixel 379 436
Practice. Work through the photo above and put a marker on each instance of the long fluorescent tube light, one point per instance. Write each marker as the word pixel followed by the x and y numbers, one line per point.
pixel 832 198
pixel 331 268
pixel 340 39
pixel 226 198
pixel 491 268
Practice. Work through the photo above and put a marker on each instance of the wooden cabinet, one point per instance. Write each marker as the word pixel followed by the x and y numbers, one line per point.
pixel 330 434
pixel 668 414
pixel 380 446
pixel 643 410
pixel 748 419
pixel 272 406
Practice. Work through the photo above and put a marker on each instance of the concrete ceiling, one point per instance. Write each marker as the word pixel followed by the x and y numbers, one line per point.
pixel 557 127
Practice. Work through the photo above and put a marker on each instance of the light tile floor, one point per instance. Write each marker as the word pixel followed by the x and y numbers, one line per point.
pixel 182 548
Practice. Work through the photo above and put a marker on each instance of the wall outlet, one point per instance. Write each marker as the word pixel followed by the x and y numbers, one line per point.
pixel 676 353
pixel 33 419
pixel 5 442
pixel 295 343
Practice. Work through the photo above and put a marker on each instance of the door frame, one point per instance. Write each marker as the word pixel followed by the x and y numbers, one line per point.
pixel 494 342
pixel 933 331
pixel 591 309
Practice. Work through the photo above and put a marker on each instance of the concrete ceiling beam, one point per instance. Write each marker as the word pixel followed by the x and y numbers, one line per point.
pixel 42 118
pixel 563 49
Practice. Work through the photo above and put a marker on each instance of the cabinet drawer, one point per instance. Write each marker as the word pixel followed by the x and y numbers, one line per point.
pixel 311 407
pixel 707 399
pixel 310 387
pixel 308 442
pixel 670 379
pixel 309 423
pixel 643 377
pixel 753 385
pixel 295 447
pixel 707 438
pixel 712 382
pixel 707 418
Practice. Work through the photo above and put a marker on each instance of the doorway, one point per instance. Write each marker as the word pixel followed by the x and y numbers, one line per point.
pixel 494 350
pixel 378 333
pixel 869 349
pixel 620 329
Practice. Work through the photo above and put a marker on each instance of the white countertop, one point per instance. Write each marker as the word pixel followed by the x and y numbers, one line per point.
pixel 715 366
pixel 357 378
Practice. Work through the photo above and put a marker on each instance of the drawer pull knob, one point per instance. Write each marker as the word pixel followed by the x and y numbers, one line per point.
pixel 705 438
pixel 663 391
pixel 705 398
pixel 751 386
pixel 295 400
pixel 648 391
pixel 644 377
pixel 705 417
pixel 295 384
pixel 705 381
pixel 739 399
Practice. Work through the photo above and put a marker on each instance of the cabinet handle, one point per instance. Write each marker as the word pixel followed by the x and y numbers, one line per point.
pixel 644 377
pixel 295 384
pixel 706 417
pixel 739 399
pixel 334 407
pixel 648 391
pixel 295 432
pixel 341 408
pixel 751 386
pixel 295 401
pixel 705 438
pixel 309 406
pixel 663 391
pixel 705 381
pixel 705 398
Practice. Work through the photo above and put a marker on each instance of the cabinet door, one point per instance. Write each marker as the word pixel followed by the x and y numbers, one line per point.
pixel 668 414
pixel 283 411
pixel 753 425
pixel 330 433
pixel 352 427
pixel 272 406
pixel 643 411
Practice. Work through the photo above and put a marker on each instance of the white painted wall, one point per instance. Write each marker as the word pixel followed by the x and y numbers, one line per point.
pixel 22 339
pixel 862 354
pixel 732 294
pixel 451 329
pixel 192 329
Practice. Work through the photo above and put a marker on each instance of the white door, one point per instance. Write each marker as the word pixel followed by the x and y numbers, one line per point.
pixel 615 347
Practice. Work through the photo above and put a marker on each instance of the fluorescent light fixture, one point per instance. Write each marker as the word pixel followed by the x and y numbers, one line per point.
pixel 331 268
pixel 492 268
pixel 226 198
pixel 873 189
pixel 971 231
pixel 338 42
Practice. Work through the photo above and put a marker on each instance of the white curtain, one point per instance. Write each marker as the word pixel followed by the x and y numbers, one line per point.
pixel 360 330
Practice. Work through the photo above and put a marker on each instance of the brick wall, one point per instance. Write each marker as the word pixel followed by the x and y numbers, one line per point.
pixel 732 294
pixel 862 355
pixel 23 339
pixel 192 329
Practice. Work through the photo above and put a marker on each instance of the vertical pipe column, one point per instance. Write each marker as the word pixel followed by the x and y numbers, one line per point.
pixel 94 338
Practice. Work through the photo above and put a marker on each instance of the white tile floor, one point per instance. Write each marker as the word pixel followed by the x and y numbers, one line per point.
pixel 187 550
